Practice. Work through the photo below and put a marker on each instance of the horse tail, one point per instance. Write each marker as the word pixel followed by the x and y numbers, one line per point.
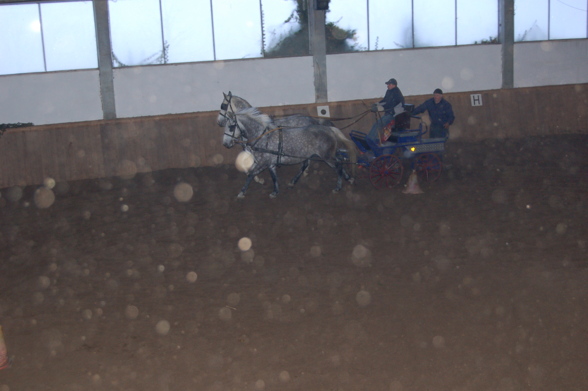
pixel 351 150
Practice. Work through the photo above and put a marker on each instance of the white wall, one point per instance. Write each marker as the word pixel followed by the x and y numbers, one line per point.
pixel 53 97
pixel 141 91
pixel 551 63
pixel 418 71
pixel 57 97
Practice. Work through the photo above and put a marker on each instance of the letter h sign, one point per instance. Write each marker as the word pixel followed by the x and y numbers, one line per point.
pixel 476 99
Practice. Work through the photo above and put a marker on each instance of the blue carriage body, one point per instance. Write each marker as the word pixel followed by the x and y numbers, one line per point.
pixel 383 161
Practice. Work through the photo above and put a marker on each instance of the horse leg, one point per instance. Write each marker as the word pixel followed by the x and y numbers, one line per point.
pixel 245 186
pixel 274 174
pixel 346 175
pixel 297 177
pixel 339 170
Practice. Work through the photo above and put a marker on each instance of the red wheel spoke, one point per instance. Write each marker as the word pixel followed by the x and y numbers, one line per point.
pixel 385 171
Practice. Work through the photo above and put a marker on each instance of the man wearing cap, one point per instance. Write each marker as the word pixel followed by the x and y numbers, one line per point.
pixel 441 114
pixel 392 104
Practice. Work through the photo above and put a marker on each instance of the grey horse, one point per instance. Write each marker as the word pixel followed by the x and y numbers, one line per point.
pixel 272 146
pixel 233 103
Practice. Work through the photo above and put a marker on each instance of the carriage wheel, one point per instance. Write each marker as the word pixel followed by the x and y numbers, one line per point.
pixel 428 167
pixel 385 171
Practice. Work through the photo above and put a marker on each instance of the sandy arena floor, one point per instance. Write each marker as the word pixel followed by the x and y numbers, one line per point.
pixel 480 283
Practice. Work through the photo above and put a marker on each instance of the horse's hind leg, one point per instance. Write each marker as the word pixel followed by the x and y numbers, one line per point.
pixel 339 170
pixel 346 175
pixel 339 180
pixel 297 177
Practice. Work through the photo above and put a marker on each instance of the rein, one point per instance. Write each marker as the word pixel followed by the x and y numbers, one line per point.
pixel 252 143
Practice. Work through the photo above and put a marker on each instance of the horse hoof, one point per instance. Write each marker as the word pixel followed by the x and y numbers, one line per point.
pixel 273 195
pixel 241 195
pixel 290 185
pixel 335 191
pixel 352 181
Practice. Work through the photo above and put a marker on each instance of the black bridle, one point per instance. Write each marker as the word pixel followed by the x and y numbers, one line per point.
pixel 225 106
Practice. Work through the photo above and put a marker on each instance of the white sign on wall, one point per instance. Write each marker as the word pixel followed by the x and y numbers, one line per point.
pixel 476 99
pixel 323 111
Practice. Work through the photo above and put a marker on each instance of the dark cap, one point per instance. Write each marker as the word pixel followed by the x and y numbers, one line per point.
pixel 438 91
pixel 392 81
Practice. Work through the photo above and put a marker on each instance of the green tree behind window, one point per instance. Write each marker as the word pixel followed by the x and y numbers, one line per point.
pixel 296 43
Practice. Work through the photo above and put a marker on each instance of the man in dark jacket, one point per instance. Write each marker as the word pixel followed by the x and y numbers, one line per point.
pixel 441 114
pixel 391 105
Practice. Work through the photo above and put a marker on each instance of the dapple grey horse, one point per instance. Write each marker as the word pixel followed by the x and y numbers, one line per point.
pixel 233 103
pixel 272 146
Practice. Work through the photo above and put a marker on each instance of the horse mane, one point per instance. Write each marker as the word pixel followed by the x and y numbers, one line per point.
pixel 239 103
pixel 254 114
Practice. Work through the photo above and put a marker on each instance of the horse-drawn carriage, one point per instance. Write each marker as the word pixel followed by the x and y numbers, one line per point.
pixel 383 161
pixel 298 139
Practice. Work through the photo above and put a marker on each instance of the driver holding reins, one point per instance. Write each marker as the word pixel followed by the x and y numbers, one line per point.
pixel 391 105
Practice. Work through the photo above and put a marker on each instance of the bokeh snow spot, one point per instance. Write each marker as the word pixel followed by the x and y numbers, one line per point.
pixel 49 183
pixel 191 276
pixel 233 299
pixel 259 385
pixel 248 256
pixel 244 161
pixel 131 312
pixel 225 314
pixel 183 192
pixel 361 256
pixel 44 282
pixel 284 376
pixel 162 327
pixel 13 194
pixel 244 244
pixel 44 197
pixel 315 251
pixel 363 298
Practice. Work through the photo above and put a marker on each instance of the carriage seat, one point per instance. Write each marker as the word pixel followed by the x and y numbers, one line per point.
pixel 400 124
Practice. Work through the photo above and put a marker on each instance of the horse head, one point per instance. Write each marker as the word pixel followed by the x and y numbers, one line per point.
pixel 221 119
pixel 232 132
pixel 231 104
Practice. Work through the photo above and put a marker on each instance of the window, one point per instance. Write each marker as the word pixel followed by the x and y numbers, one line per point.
pixel 342 20
pixel 187 30
pixel 69 36
pixel 53 36
pixel 477 21
pixel 567 19
pixel 47 37
pixel 280 20
pixel 135 27
pixel 237 28
pixel 434 23
pixel 531 22
pixel 20 39
pixel 390 24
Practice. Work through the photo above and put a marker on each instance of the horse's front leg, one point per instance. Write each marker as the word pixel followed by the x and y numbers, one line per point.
pixel 246 185
pixel 274 173
pixel 297 177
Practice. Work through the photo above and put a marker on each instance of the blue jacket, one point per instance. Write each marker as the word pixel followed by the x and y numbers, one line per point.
pixel 440 113
pixel 391 99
